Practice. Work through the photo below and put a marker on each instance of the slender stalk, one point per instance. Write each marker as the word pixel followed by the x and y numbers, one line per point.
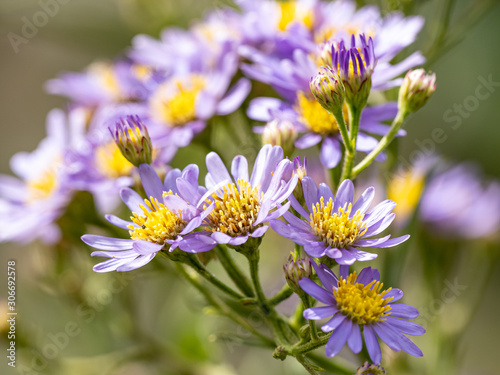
pixel 282 295
pixel 281 329
pixel 200 268
pixel 303 361
pixel 312 324
pixel 311 345
pixel 339 116
pixel 384 142
pixel 221 306
pixel 329 365
pixel 233 271
pixel 355 116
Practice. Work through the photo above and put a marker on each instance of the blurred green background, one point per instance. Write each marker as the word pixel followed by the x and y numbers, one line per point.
pixel 84 31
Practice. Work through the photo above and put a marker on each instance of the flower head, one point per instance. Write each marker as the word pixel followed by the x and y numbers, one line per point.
pixel 164 221
pixel 354 66
pixel 132 138
pixel 359 301
pixel 336 226
pixel 243 203
pixel 31 202
pixel 460 203
pixel 417 88
pixel 328 90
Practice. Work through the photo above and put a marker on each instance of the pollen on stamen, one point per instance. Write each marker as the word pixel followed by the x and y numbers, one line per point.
pixel 338 229
pixel 175 101
pixel 236 210
pixel 363 304
pixel 156 224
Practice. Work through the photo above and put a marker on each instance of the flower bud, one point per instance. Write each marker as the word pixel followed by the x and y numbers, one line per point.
pixel 328 90
pixel 325 54
pixel 301 170
pixel 295 269
pixel 370 369
pixel 280 133
pixel 132 138
pixel 354 66
pixel 417 88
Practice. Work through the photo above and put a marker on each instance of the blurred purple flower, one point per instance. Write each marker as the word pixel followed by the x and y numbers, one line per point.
pixel 456 203
pixel 31 203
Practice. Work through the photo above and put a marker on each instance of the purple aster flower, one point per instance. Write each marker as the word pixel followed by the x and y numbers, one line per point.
pixel 31 203
pixel 337 226
pixel 244 203
pixel 103 83
pixel 164 221
pixel 458 203
pixel 278 28
pixel 183 103
pixel 356 305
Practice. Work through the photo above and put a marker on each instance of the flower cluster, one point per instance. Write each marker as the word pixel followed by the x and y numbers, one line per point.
pixel 330 66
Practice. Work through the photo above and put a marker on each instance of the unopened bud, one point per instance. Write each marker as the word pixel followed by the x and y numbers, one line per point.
pixel 132 138
pixel 370 369
pixel 296 269
pixel 280 133
pixel 354 66
pixel 328 90
pixel 417 88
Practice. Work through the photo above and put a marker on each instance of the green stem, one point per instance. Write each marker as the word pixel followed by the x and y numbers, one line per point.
pixel 384 142
pixel 312 323
pixel 311 345
pixel 200 268
pixel 339 116
pixel 355 116
pixel 280 327
pixel 221 306
pixel 303 361
pixel 233 271
pixel 330 365
pixel 282 295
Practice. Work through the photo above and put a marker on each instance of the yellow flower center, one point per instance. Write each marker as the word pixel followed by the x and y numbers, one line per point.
pixel 106 75
pixel 235 212
pixel 337 229
pixel 110 161
pixel 158 224
pixel 316 118
pixel 43 186
pixel 363 304
pixel 405 189
pixel 142 72
pixel 175 101
pixel 327 33
pixel 290 13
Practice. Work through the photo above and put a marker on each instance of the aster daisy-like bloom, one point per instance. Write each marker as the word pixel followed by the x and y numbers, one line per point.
pixel 31 203
pixel 164 221
pixel 358 305
pixel 103 83
pixel 457 202
pixel 243 203
pixel 337 226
